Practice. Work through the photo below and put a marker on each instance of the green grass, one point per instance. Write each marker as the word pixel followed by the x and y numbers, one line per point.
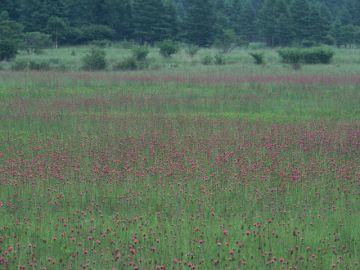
pixel 101 172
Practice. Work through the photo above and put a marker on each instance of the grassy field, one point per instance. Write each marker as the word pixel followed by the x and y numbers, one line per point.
pixel 183 166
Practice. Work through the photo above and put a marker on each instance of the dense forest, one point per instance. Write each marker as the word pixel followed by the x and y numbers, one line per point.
pixel 200 22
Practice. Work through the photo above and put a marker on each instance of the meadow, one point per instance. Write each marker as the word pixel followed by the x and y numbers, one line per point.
pixel 182 166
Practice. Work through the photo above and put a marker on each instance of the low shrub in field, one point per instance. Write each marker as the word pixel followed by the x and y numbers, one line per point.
pixel 24 64
pixel 207 60
pixel 20 65
pixel 95 60
pixel 129 63
pixel 101 43
pixel 39 65
pixel 192 50
pixel 219 59
pixel 138 60
pixel 140 53
pixel 291 55
pixel 168 48
pixel 258 58
pixel 319 55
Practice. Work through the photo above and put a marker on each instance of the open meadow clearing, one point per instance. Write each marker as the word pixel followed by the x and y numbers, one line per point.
pixel 186 167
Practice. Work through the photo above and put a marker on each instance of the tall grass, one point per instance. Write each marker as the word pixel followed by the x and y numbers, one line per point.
pixel 104 171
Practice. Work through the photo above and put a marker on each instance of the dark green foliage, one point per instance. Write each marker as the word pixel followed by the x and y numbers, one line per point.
pixel 300 17
pixel 96 32
pixel 318 55
pixel 153 21
pixel 168 48
pixel 34 42
pixel 39 65
pixel 57 28
pixel 192 50
pixel 258 58
pixel 19 65
pixel 94 60
pixel 138 60
pixel 200 22
pixel 10 37
pixel 219 59
pixel 227 41
pixel 103 43
pixel 291 56
pixel 24 64
pixel 129 63
pixel 140 53
pixel 207 60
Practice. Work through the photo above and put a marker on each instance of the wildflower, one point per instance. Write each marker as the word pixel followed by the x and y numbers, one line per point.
pixel 226 232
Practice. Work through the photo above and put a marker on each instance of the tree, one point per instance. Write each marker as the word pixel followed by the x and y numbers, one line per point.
pixel 56 27
pixel 120 18
pixel 300 15
pixel 319 27
pixel 267 22
pixel 35 41
pixel 10 37
pixel 147 20
pixel 348 33
pixel 200 22
pixel 227 41
pixel 336 32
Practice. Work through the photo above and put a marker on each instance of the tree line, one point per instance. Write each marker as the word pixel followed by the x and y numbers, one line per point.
pixel 199 22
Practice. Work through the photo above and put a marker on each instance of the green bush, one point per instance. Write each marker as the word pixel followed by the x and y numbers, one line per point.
pixel 319 55
pixel 24 64
pixel 39 65
pixel 101 43
pixel 207 60
pixel 291 55
pixel 20 65
pixel 258 58
pixel 140 53
pixel 34 42
pixel 219 59
pixel 94 60
pixel 192 50
pixel 8 50
pixel 168 48
pixel 129 63
pixel 96 32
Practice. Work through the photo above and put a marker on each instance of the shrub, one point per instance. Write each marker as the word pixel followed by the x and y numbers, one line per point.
pixel 95 60
pixel 168 48
pixel 8 50
pixel 34 42
pixel 129 63
pixel 96 32
pixel 138 60
pixel 101 43
pixel 20 65
pixel 320 55
pixel 192 50
pixel 39 65
pixel 140 53
pixel 207 60
pixel 219 59
pixel 291 55
pixel 258 58
pixel 227 41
